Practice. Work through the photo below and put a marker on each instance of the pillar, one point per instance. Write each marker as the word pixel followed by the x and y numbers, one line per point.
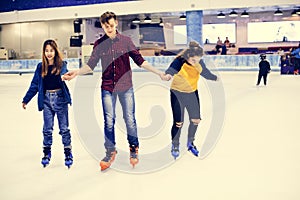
pixel 194 22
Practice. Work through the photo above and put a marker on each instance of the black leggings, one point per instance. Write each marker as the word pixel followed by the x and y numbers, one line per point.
pixel 180 101
pixel 264 76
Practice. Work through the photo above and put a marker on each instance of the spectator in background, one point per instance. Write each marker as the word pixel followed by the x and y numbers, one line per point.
pixel 227 42
pixel 219 44
pixel 264 69
pixel 280 52
pixel 296 54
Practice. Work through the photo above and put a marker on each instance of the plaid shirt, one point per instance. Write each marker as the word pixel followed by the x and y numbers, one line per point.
pixel 114 55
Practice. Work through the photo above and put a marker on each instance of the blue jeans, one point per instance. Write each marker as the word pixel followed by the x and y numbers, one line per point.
pixel 55 103
pixel 127 102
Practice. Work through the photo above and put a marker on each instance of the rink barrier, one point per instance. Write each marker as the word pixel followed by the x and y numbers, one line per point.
pixel 213 62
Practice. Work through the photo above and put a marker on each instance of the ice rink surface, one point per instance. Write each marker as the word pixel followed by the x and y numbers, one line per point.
pixel 256 157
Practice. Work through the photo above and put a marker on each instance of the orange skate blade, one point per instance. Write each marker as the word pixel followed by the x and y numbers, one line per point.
pixel 134 161
pixel 104 165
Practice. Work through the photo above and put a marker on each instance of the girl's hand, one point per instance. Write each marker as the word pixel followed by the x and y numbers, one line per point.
pixel 166 77
pixel 24 106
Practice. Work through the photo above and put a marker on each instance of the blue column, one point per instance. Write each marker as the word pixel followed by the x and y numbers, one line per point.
pixel 194 21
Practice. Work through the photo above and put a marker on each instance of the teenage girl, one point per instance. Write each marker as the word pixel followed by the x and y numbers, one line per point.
pixel 53 99
pixel 186 70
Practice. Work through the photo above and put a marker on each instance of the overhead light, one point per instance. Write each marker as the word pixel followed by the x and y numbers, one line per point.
pixel 233 14
pixel 136 20
pixel 294 13
pixel 298 11
pixel 245 14
pixel 221 15
pixel 147 19
pixel 182 17
pixel 278 12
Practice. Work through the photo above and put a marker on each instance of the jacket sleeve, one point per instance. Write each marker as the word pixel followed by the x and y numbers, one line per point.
pixel 134 53
pixel 206 73
pixel 34 85
pixel 64 68
pixel 175 66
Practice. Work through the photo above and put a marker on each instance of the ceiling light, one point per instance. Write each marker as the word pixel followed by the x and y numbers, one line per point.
pixel 233 14
pixel 147 19
pixel 136 20
pixel 221 15
pixel 182 17
pixel 245 14
pixel 298 11
pixel 294 13
pixel 278 12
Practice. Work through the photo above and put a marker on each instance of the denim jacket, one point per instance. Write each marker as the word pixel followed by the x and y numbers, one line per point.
pixel 37 86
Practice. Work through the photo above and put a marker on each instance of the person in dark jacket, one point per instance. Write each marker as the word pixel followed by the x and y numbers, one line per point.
pixel 53 99
pixel 264 69
pixel 186 70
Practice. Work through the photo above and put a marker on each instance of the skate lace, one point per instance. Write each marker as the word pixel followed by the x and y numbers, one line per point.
pixel 134 151
pixel 68 153
pixel 47 151
pixel 108 156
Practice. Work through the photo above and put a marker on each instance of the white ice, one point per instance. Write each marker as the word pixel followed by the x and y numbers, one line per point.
pixel 256 157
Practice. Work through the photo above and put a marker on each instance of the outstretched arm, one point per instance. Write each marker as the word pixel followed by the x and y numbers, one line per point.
pixel 162 75
pixel 72 74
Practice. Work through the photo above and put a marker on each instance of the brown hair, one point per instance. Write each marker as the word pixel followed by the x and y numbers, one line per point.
pixel 105 17
pixel 194 50
pixel 58 62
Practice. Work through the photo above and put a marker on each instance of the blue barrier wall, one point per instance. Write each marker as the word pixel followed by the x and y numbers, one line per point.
pixel 213 62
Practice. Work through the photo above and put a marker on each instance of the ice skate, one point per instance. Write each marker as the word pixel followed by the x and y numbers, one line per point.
pixel 175 151
pixel 68 157
pixel 134 155
pixel 108 159
pixel 47 156
pixel 192 148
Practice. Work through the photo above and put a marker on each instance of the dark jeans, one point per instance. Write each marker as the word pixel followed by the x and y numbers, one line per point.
pixel 128 106
pixel 55 104
pixel 179 102
pixel 264 76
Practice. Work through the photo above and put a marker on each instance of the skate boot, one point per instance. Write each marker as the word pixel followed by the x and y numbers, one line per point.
pixel 108 159
pixel 134 155
pixel 192 148
pixel 47 156
pixel 68 157
pixel 175 151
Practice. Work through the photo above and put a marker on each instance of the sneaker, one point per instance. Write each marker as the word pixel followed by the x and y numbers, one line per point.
pixel 47 156
pixel 134 150
pixel 175 151
pixel 68 157
pixel 108 159
pixel 192 148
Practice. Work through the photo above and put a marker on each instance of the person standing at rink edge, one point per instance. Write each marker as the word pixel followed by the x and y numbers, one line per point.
pixel 264 69
pixel 296 53
pixel 53 99
pixel 186 70
pixel 114 50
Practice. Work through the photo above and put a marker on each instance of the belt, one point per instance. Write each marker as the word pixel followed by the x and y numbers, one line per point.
pixel 53 91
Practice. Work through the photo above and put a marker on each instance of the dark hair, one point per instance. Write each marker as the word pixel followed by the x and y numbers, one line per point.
pixel 194 50
pixel 105 17
pixel 58 62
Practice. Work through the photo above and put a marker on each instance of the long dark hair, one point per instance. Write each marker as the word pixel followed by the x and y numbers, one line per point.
pixel 194 50
pixel 58 62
